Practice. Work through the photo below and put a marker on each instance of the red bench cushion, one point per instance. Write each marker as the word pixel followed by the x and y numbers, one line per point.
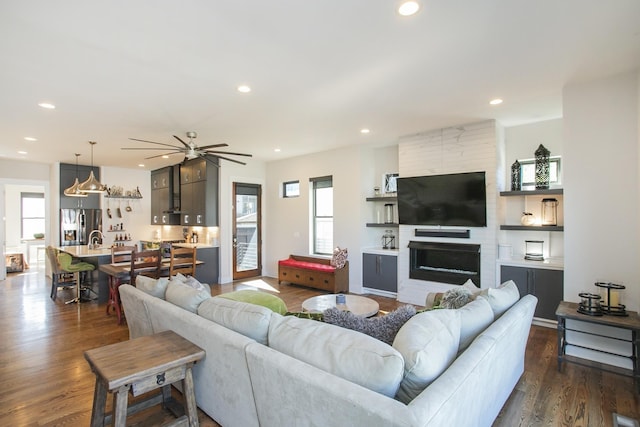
pixel 290 262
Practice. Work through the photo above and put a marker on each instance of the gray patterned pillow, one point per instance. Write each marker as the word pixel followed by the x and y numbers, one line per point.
pixel 383 328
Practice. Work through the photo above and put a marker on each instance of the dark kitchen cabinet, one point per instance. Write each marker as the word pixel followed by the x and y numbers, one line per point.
pixel 199 193
pixel 380 272
pixel 546 284
pixel 163 200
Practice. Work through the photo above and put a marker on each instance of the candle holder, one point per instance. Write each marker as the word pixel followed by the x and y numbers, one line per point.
pixel 610 301
pixel 590 304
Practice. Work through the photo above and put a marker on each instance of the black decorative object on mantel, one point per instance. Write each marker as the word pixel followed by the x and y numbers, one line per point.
pixel 542 168
pixel 515 176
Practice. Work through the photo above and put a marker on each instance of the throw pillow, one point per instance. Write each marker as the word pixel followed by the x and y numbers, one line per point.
pixel 475 317
pixel 383 328
pixel 264 299
pixel 339 258
pixel 250 320
pixel 502 298
pixel 185 296
pixel 192 282
pixel 347 354
pixel 151 286
pixel 456 298
pixel 428 343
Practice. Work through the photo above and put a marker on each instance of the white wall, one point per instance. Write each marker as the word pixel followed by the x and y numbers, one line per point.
pixel 288 222
pixel 602 185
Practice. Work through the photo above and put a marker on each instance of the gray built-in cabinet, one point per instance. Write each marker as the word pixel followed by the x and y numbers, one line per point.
pixel 165 196
pixel 199 193
pixel 546 284
pixel 380 272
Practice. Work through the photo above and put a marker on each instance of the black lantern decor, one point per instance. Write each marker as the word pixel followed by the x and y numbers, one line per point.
pixel 542 168
pixel 515 176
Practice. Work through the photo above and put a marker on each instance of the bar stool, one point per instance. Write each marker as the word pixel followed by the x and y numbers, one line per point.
pixel 59 278
pixel 65 261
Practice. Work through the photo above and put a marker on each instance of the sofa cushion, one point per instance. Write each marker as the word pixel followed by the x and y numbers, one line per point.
pixel 264 299
pixel 151 286
pixel 428 343
pixel 192 282
pixel 351 355
pixel 250 320
pixel 185 296
pixel 502 298
pixel 475 317
pixel 294 263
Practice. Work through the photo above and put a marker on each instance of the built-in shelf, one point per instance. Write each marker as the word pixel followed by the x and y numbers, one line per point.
pixel 532 192
pixel 533 227
pixel 382 199
pixel 383 225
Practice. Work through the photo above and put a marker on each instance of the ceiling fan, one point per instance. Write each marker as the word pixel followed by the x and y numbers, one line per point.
pixel 191 150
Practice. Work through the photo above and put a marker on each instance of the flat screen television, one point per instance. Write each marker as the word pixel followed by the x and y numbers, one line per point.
pixel 458 199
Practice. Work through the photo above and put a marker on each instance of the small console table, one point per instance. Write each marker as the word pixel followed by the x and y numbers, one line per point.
pixel 569 310
pixel 141 365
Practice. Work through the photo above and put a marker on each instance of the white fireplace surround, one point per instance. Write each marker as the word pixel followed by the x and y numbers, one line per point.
pixel 472 147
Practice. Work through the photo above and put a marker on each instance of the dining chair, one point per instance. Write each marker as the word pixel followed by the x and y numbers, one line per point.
pixel 145 263
pixel 183 260
pixel 118 254
pixel 59 277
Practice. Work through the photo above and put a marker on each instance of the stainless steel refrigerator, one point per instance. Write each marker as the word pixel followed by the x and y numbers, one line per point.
pixel 77 224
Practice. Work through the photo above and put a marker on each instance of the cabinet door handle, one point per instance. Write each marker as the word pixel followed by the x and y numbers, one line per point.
pixel 378 259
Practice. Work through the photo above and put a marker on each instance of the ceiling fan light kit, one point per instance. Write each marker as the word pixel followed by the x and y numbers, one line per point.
pixel 191 150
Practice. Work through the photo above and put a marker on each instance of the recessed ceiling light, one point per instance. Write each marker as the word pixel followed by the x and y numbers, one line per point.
pixel 277 150
pixel 141 165
pixel 165 157
pixel 30 138
pixel 496 101
pixel 22 152
pixel 409 8
pixel 244 89
pixel 365 131
pixel 47 105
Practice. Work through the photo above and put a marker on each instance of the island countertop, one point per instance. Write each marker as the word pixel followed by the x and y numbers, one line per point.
pixel 83 251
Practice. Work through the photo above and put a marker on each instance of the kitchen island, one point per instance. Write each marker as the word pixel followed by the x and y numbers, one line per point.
pixel 96 257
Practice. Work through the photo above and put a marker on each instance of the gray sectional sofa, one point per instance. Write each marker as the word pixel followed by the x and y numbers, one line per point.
pixel 445 368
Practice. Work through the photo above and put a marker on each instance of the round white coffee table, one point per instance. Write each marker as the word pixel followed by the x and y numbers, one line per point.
pixel 360 306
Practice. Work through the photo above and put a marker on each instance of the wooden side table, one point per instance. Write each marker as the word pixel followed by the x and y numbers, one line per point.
pixel 142 365
pixel 569 310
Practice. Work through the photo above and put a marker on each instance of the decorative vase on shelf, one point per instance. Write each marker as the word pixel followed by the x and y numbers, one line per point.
pixel 515 176
pixel 542 168
pixel 527 218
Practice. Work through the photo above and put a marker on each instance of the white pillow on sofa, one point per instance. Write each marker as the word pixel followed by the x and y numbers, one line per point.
pixel 250 320
pixel 151 286
pixel 475 317
pixel 428 342
pixel 502 298
pixel 348 354
pixel 185 296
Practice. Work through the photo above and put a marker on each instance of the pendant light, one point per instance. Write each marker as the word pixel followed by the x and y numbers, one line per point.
pixel 74 191
pixel 92 185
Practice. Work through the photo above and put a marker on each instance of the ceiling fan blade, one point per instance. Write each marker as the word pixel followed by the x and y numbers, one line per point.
pixel 151 148
pixel 183 143
pixel 161 155
pixel 151 142
pixel 214 152
pixel 213 146
pixel 225 158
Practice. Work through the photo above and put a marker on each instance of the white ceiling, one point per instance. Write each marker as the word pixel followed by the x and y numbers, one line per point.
pixel 320 70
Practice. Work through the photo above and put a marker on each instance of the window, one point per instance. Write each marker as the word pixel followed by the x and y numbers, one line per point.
pixel 322 214
pixel 32 214
pixel 528 172
pixel 291 189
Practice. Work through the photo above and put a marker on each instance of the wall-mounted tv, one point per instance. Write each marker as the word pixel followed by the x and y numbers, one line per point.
pixel 458 199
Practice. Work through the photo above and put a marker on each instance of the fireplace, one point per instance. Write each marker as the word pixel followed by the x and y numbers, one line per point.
pixel 450 263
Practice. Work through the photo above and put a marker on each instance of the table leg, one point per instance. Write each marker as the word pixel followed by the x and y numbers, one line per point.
pixel 120 398
pixel 99 402
pixel 561 340
pixel 190 398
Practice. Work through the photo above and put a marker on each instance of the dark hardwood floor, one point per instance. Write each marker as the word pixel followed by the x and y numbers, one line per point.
pixel 45 380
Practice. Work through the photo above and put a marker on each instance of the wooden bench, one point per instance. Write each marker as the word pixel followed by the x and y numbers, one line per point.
pixel 314 272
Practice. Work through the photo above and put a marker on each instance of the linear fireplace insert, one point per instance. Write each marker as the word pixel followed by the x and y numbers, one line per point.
pixel 450 263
